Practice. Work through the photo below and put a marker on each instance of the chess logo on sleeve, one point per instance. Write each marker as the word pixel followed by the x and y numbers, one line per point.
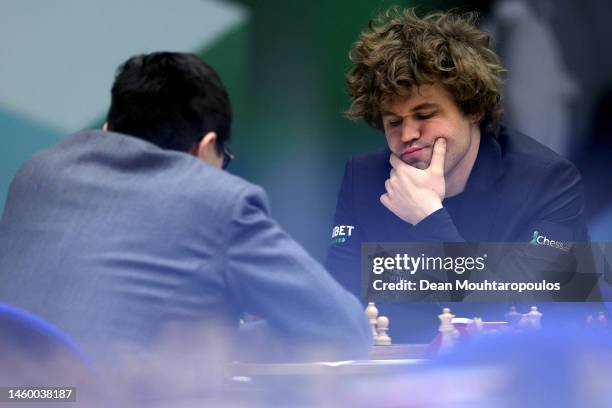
pixel 341 233
pixel 543 240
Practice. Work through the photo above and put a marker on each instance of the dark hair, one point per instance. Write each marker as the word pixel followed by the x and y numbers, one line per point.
pixel 400 50
pixel 171 100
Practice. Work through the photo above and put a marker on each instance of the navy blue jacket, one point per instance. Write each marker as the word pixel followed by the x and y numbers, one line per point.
pixel 517 186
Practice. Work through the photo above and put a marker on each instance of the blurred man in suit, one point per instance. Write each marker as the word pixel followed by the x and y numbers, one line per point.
pixel 125 235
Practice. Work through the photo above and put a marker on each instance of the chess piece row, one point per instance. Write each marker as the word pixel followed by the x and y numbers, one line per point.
pixel 379 325
pixel 524 321
pixel 449 335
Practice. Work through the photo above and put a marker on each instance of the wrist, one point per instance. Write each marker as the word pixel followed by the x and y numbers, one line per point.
pixel 427 210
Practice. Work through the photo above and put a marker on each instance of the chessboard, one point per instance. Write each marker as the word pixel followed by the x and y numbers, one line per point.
pixel 413 375
pixel 386 358
pixel 454 331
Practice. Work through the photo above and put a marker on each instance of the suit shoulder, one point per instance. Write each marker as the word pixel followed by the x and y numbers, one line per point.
pixel 374 158
pixel 372 165
pixel 236 184
pixel 524 152
pixel 364 176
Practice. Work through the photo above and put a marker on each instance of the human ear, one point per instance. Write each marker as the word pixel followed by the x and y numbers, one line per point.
pixel 207 150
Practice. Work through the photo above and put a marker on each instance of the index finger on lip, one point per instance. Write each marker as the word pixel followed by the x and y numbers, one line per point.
pixel 438 156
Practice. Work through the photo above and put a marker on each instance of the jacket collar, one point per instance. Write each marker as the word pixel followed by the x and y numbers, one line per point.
pixel 488 167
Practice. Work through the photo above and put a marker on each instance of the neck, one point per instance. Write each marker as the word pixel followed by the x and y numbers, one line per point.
pixel 457 178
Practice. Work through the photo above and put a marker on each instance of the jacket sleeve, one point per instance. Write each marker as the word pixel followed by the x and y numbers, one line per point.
pixel 553 244
pixel 273 277
pixel 559 212
pixel 437 227
pixel 343 257
pixel 561 249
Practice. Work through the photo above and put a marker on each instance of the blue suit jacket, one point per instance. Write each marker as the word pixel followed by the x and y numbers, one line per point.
pixel 111 238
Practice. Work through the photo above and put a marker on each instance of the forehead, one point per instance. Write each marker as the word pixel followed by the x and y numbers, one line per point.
pixel 416 96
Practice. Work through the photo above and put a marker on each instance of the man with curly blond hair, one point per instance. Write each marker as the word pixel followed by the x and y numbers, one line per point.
pixel 450 172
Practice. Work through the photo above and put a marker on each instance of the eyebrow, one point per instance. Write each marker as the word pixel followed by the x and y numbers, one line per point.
pixel 422 106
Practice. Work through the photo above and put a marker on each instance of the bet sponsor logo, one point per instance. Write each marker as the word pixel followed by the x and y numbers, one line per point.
pixel 341 233
pixel 543 240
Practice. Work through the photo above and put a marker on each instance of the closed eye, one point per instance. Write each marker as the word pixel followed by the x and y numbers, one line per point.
pixel 424 116
pixel 394 123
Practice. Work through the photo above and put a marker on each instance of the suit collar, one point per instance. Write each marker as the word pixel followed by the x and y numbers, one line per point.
pixel 488 166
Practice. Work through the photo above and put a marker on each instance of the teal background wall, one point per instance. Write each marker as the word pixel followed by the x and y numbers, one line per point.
pixel 283 63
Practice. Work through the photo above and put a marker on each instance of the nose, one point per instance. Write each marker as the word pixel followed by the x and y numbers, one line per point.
pixel 410 131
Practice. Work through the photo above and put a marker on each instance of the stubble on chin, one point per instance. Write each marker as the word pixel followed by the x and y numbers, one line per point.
pixel 419 164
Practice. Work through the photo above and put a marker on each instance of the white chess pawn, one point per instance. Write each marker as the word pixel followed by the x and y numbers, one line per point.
pixel 513 317
pixel 382 327
pixel 446 320
pixel 371 313
pixel 534 317
pixel 447 330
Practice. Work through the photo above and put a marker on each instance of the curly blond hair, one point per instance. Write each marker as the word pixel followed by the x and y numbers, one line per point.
pixel 399 50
